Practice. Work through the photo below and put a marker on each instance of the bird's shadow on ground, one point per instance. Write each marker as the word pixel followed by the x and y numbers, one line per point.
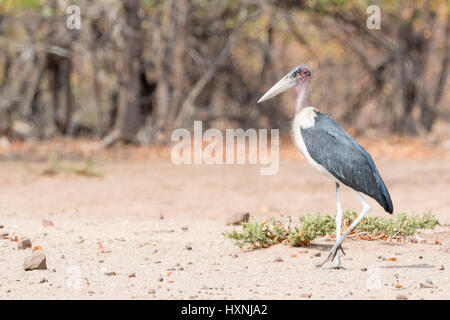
pixel 410 266
pixel 327 247
pixel 322 247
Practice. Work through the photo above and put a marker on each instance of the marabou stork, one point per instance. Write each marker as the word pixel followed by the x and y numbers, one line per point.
pixel 333 152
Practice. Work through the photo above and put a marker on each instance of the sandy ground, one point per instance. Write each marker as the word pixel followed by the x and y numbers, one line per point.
pixel 184 255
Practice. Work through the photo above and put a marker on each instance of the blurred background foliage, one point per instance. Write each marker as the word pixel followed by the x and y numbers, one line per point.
pixel 136 70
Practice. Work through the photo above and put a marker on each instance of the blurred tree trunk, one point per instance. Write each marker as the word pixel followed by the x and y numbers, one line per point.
pixel 60 69
pixel 128 69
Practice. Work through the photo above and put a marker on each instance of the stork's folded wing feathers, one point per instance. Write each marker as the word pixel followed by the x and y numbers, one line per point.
pixel 340 154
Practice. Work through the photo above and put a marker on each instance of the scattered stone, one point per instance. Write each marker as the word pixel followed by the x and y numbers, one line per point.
pixel 318 254
pixel 132 275
pixel 24 243
pixel 185 228
pixel 442 267
pixel 277 259
pixel 43 280
pixel 363 269
pixel 161 216
pixel 401 297
pixel 188 247
pixel 428 284
pixel 47 223
pixel 420 239
pixel 238 218
pixel 152 291
pixel 161 279
pixel 306 295
pixel 4 235
pixel 37 261
pixel 1 226
pixel 111 273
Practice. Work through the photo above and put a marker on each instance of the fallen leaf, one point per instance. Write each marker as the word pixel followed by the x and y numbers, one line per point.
pixel 398 286
pixel 171 281
pixel 392 259
pixel 438 242
pixel 14 237
pixel 37 248
pixel 169 274
pixel 100 247
pixel 293 256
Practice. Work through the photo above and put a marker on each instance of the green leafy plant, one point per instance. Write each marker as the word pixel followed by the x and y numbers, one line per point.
pixel 56 166
pixel 273 231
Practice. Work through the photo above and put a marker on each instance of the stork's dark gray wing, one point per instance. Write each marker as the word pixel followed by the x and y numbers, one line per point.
pixel 340 154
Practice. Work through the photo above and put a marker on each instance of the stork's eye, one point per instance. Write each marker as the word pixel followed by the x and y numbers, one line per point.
pixel 306 73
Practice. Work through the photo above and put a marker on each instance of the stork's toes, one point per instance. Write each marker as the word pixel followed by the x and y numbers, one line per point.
pixel 332 255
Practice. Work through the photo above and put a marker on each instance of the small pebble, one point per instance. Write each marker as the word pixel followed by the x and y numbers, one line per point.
pixel 238 218
pixel 24 243
pixel 47 223
pixel 277 259
pixel 401 297
pixel 37 261
pixel 363 269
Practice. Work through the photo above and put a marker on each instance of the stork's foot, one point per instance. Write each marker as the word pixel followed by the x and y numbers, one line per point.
pixel 337 266
pixel 331 256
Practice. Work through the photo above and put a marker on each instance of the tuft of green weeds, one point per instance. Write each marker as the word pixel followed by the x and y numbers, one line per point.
pixel 56 166
pixel 263 234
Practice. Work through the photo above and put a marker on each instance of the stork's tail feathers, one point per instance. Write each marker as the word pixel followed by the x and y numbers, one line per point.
pixel 385 199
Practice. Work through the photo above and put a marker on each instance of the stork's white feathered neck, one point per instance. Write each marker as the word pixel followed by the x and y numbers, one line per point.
pixel 305 118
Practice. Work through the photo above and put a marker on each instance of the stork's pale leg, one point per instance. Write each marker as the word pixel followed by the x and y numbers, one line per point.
pixel 337 246
pixel 337 260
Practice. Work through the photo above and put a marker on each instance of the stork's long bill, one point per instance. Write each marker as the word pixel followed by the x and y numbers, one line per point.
pixel 295 77
pixel 281 86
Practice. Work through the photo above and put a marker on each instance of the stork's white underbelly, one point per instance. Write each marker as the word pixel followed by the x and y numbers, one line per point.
pixel 297 124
